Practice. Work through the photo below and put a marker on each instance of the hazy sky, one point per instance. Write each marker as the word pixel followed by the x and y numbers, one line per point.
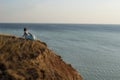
pixel 60 11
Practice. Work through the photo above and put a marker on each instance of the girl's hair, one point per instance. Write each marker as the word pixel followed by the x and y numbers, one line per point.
pixel 25 29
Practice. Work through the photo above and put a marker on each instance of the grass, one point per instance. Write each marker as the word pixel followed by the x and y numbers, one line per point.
pixel 22 59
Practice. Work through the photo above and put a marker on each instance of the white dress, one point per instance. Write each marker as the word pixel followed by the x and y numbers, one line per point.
pixel 28 35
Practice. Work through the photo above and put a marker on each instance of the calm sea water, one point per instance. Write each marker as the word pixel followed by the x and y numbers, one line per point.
pixel 94 50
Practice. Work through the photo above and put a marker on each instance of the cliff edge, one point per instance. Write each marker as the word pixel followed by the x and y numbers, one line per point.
pixel 22 59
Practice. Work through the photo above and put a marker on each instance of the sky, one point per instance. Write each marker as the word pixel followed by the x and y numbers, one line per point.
pixel 60 11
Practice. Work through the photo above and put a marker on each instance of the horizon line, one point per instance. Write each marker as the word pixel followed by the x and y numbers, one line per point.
pixel 57 23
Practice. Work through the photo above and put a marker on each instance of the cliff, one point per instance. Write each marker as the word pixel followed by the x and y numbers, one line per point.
pixel 22 59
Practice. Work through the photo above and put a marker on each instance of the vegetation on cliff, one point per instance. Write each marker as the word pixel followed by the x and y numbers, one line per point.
pixel 22 59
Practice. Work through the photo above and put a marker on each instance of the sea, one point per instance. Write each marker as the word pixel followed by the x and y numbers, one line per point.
pixel 92 49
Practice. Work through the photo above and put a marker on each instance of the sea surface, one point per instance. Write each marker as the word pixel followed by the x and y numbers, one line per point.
pixel 92 49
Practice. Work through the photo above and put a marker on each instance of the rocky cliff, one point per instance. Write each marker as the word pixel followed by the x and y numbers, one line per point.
pixel 22 59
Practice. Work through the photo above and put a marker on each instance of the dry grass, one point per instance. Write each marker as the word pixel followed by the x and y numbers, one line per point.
pixel 22 59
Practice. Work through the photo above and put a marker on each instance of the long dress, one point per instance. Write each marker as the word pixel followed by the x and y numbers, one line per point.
pixel 28 35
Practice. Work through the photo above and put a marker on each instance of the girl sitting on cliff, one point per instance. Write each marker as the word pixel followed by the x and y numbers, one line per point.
pixel 28 35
